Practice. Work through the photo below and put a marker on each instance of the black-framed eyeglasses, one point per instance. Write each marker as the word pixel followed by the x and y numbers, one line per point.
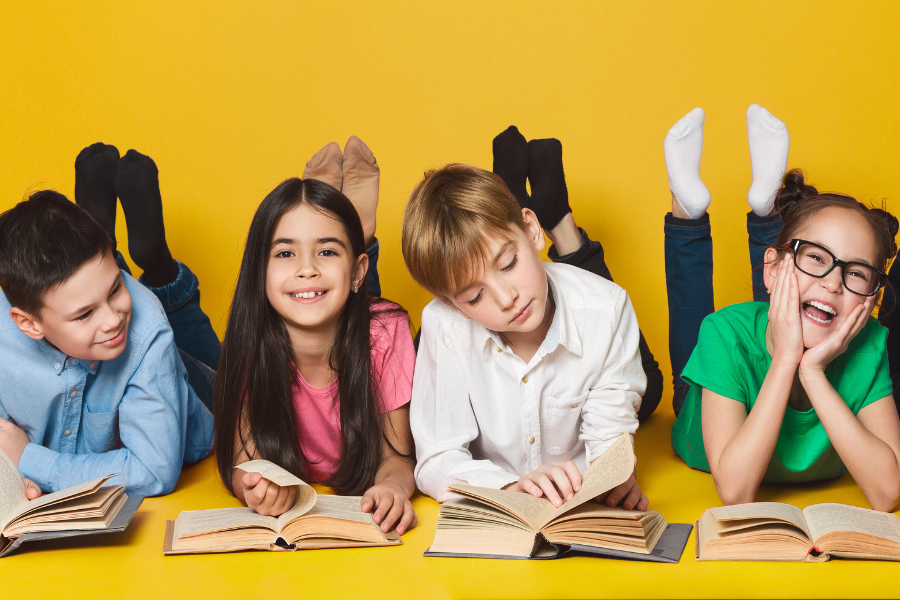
pixel 817 261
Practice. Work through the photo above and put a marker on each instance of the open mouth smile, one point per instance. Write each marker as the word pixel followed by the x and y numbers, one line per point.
pixel 819 313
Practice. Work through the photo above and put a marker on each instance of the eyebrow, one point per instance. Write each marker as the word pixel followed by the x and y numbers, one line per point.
pixel 319 242
pixel 497 258
pixel 88 307
pixel 852 260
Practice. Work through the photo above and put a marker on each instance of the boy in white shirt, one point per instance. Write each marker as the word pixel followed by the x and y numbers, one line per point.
pixel 526 370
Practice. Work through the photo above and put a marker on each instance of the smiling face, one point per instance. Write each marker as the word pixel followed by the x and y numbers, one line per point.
pixel 311 270
pixel 824 302
pixel 87 315
pixel 509 293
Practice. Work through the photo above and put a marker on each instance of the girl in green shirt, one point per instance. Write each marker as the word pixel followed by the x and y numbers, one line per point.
pixel 797 386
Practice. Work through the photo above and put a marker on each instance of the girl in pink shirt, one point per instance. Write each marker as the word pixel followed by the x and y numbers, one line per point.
pixel 316 374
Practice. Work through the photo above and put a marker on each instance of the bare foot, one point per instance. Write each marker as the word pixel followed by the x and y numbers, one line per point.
pixel 325 165
pixel 361 179
pixel 565 236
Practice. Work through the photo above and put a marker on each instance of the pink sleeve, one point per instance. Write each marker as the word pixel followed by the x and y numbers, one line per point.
pixel 393 359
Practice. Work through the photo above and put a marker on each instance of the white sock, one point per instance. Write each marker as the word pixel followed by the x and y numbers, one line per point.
pixel 683 148
pixel 769 143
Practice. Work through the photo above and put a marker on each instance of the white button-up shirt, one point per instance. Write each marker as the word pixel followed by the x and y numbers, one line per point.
pixel 481 416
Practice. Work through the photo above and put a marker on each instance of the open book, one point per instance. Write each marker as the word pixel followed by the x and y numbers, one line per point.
pixel 781 532
pixel 487 522
pixel 79 510
pixel 313 522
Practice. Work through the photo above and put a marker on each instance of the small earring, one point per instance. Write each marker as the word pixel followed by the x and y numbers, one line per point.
pixel 355 288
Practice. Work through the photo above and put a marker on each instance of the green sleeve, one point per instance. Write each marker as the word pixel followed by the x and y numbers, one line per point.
pixel 715 363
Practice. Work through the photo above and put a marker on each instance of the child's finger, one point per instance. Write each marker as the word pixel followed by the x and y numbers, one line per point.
pixel 283 501
pixel 632 499
pixel 561 479
pixel 32 490
pixel 248 480
pixel 384 505
pixel 394 515
pixel 407 522
pixel 643 504
pixel 531 487
pixel 619 492
pixel 549 489
pixel 368 501
pixel 271 495
pixel 571 470
pixel 258 492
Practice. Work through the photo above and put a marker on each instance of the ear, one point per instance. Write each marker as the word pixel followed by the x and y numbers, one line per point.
pixel 358 279
pixel 769 264
pixel 28 324
pixel 533 229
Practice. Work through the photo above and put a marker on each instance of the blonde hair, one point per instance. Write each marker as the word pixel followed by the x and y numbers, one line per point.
pixel 450 216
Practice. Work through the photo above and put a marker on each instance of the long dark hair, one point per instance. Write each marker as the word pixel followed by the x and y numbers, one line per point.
pixel 253 400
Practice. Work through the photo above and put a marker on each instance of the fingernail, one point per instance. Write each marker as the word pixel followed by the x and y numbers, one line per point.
pixel 570 496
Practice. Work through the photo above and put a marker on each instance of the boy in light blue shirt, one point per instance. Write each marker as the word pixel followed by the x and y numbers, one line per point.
pixel 99 373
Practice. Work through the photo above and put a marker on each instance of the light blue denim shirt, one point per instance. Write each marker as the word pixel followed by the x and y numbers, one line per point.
pixel 135 415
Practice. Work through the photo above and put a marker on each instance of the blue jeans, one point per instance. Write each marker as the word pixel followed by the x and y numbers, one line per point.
pixel 195 338
pixel 689 271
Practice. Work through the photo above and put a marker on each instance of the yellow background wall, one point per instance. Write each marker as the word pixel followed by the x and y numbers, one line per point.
pixel 230 98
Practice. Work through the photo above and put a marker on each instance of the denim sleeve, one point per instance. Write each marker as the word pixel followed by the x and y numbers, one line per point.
pixel 151 421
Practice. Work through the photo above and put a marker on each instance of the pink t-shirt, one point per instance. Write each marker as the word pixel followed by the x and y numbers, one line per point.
pixel 318 410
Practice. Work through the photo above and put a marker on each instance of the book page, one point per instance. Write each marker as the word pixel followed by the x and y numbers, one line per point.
pixel 522 506
pixel 71 493
pixel 12 491
pixel 775 511
pixel 345 508
pixel 271 471
pixel 194 522
pixel 830 517
pixel 608 470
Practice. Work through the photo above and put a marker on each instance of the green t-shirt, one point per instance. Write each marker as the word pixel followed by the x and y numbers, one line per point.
pixel 731 360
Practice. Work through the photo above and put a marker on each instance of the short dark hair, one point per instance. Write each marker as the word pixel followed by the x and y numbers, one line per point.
pixel 43 241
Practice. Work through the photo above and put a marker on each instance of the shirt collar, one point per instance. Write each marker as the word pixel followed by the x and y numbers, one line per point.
pixel 562 329
pixel 58 360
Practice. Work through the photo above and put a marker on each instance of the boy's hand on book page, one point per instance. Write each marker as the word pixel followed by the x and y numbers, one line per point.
pixel 557 481
pixel 265 497
pixel 784 328
pixel 628 495
pixel 32 490
pixel 390 505
pixel 13 440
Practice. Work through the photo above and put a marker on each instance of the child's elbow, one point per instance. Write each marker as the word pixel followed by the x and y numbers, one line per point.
pixel 734 493
pixel 885 498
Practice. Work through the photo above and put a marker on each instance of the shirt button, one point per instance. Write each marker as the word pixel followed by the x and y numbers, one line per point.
pixel 531 440
pixel 74 361
pixel 73 393
pixel 93 364
pixel 499 349
pixel 574 405
pixel 58 366
pixel 525 379
pixel 67 432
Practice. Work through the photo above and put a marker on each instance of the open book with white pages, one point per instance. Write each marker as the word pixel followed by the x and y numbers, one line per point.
pixel 315 521
pixel 79 510
pixel 490 523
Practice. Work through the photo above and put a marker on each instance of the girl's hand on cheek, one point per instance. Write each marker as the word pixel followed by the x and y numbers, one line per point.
pixel 820 356
pixel 265 497
pixel 784 315
pixel 390 505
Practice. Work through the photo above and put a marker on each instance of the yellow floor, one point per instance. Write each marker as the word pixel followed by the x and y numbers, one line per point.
pixel 131 564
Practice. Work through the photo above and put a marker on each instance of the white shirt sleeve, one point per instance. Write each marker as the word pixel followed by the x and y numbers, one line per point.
pixel 613 401
pixel 442 419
